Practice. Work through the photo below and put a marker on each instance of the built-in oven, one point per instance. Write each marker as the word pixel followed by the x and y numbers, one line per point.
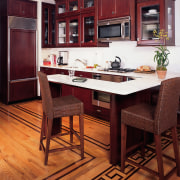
pixel 102 99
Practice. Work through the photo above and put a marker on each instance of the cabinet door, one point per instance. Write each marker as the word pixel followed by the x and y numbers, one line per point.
pixel 106 9
pixel 89 30
pixel 84 95
pixel 48 25
pixel 122 8
pixel 61 7
pixel 113 9
pixel 67 90
pixel 22 8
pixel 155 15
pixel 74 5
pixel 74 31
pixel 88 4
pixel 62 32
pixel 22 54
pixel 148 20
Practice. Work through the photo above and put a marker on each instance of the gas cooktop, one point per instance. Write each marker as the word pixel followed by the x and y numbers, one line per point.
pixel 121 70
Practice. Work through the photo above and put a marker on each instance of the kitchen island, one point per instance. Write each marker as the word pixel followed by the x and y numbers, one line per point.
pixel 123 94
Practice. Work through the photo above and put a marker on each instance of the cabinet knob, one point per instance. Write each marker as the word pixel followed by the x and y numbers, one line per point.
pixel 113 12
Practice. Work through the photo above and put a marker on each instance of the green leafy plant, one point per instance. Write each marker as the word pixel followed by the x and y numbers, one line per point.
pixel 161 57
pixel 161 54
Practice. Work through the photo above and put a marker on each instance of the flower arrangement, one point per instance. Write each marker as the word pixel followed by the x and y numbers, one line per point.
pixel 161 54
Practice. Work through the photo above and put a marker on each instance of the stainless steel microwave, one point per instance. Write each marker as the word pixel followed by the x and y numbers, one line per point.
pixel 116 29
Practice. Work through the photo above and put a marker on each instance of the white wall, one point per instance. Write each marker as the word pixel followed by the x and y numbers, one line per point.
pixel 131 55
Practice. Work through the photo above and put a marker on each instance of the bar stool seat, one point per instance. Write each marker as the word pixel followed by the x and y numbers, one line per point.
pixel 155 119
pixel 56 108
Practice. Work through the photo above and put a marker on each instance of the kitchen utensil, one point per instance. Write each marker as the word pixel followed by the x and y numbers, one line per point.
pixel 117 63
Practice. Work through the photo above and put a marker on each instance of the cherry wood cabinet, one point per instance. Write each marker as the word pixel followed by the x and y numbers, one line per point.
pixel 48 25
pixel 117 9
pixel 83 74
pixel 155 15
pixel 22 8
pixel 113 9
pixel 68 31
pixel 76 23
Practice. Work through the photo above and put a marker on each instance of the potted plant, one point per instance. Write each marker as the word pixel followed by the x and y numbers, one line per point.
pixel 161 55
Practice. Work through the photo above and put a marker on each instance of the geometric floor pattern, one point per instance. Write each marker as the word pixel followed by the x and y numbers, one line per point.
pixel 109 172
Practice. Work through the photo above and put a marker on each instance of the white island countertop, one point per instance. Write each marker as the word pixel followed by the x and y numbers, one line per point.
pixel 140 82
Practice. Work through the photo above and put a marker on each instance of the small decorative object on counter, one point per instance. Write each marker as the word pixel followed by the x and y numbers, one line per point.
pixel 161 56
pixel 46 62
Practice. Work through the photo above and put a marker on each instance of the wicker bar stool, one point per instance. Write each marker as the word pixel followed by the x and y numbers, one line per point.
pixel 154 119
pixel 54 108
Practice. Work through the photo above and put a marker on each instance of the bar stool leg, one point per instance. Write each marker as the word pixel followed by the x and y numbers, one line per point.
pixel 123 145
pixel 159 156
pixel 49 131
pixel 71 128
pixel 81 129
pixel 42 133
pixel 176 149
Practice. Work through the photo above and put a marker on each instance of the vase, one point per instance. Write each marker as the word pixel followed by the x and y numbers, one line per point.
pixel 161 74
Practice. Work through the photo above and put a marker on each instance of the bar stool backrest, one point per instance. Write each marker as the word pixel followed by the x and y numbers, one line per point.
pixel 167 105
pixel 46 95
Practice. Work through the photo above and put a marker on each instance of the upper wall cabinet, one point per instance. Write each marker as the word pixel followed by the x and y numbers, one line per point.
pixel 64 7
pixel 155 15
pixel 22 8
pixel 76 23
pixel 116 9
pixel 112 9
pixel 48 25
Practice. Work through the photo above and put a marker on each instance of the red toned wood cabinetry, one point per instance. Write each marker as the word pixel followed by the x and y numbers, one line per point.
pixel 76 23
pixel 155 15
pixel 117 9
pixel 113 9
pixel 83 74
pixel 18 24
pixel 48 70
pixel 48 25
pixel 22 8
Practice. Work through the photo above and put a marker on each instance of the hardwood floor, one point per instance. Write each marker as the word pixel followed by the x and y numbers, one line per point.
pixel 20 157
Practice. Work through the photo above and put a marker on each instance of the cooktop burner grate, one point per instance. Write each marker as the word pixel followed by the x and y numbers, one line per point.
pixel 121 70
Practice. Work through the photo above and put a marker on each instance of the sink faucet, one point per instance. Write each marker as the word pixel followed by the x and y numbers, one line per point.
pixel 84 61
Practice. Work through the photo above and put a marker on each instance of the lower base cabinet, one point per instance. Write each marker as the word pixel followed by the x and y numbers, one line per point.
pixel 85 95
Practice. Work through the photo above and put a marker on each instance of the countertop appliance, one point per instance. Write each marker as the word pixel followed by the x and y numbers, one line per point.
pixel 117 63
pixel 63 58
pixel 115 29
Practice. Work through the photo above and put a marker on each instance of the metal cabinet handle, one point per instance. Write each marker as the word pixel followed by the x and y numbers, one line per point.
pixel 98 110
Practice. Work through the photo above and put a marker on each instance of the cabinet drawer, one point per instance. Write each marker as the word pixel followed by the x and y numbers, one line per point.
pixel 22 90
pixel 83 74
pixel 61 71
pixel 48 71
pixel 101 113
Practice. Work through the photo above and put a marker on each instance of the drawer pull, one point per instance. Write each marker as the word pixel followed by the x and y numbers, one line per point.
pixel 98 110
